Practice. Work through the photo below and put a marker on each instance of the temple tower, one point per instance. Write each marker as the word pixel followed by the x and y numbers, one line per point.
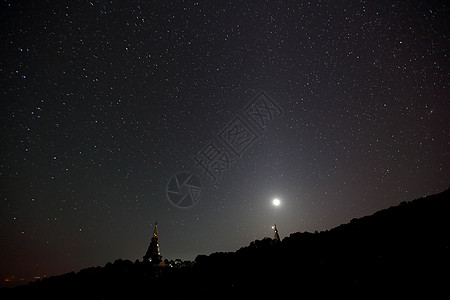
pixel 276 236
pixel 153 256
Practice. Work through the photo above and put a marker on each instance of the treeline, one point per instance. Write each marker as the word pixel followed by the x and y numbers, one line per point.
pixel 400 250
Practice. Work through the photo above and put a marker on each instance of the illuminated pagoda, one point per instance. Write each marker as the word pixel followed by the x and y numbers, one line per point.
pixel 153 256
pixel 276 236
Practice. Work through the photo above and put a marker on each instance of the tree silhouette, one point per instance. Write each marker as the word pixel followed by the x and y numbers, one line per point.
pixel 402 249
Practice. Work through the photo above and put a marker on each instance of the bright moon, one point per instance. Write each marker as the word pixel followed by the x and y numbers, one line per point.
pixel 276 202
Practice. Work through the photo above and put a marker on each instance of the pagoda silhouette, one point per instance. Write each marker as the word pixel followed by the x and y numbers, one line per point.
pixel 276 236
pixel 153 256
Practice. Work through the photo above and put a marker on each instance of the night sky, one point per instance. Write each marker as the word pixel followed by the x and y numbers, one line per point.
pixel 337 110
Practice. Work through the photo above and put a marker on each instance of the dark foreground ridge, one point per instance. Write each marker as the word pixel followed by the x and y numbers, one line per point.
pixel 400 250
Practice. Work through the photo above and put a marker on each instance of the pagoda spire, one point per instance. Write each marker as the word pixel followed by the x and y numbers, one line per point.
pixel 153 255
pixel 276 236
pixel 155 231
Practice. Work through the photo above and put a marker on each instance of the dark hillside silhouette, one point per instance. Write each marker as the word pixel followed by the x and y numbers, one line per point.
pixel 400 250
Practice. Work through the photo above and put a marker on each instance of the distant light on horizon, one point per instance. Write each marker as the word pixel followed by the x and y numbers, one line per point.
pixel 276 202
